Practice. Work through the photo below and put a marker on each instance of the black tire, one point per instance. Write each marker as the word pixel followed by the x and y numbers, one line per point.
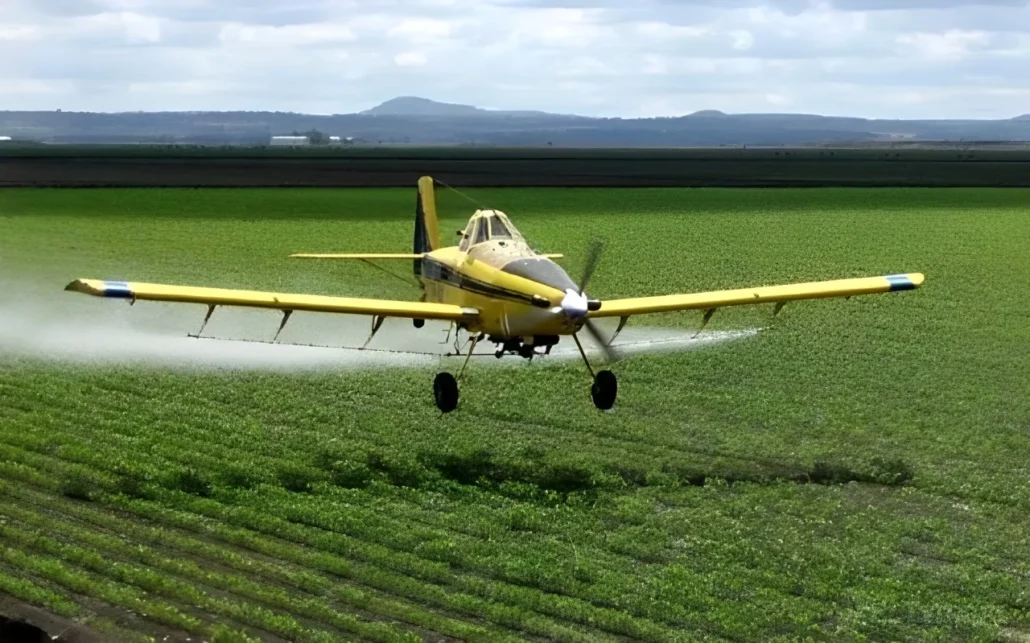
pixel 445 391
pixel 419 323
pixel 604 390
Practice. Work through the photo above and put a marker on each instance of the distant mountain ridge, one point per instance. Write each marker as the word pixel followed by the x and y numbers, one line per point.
pixel 421 121
pixel 416 106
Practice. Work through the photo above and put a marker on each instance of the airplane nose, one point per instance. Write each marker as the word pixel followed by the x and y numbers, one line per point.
pixel 574 304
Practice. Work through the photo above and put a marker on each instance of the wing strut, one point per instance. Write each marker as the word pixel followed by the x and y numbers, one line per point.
pixel 704 320
pixel 622 324
pixel 286 318
pixel 377 321
pixel 210 309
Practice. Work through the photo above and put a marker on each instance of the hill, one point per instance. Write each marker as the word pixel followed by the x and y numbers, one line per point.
pixel 415 106
pixel 421 121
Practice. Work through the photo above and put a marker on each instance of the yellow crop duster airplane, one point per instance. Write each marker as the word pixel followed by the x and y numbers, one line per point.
pixel 494 286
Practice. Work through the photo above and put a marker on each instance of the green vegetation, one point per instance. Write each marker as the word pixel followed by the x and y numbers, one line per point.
pixel 399 166
pixel 856 471
pixel 956 151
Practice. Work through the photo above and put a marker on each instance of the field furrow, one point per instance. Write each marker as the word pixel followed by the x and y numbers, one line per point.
pixel 174 545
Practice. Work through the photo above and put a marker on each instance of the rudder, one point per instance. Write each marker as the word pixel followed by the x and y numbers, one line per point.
pixel 427 234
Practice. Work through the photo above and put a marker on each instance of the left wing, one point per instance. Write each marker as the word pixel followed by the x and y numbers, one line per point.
pixel 277 301
pixel 759 295
pixel 380 255
pixel 360 255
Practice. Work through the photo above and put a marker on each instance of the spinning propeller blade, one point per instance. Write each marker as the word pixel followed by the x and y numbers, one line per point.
pixel 594 252
pixel 595 333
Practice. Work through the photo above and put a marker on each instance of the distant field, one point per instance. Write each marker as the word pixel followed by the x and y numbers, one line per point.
pixel 856 471
pixel 167 166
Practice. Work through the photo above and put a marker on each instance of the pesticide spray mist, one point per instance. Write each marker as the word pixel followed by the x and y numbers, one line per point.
pixel 70 328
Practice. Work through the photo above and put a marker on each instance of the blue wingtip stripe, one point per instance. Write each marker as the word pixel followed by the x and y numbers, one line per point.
pixel 900 282
pixel 118 289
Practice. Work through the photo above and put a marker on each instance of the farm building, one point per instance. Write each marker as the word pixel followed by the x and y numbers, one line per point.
pixel 290 140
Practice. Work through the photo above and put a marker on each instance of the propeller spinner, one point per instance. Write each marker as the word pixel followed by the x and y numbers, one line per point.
pixel 576 304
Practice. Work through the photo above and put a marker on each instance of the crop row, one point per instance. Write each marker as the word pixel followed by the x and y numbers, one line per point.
pixel 569 603
pixel 614 461
pixel 262 520
pixel 550 573
pixel 414 578
pixel 58 571
pixel 81 521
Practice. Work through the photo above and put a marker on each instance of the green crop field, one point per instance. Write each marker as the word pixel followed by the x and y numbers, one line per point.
pixel 135 166
pixel 857 470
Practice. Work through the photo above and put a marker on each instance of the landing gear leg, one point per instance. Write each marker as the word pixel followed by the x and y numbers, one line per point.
pixel 606 386
pixel 445 386
pixel 472 348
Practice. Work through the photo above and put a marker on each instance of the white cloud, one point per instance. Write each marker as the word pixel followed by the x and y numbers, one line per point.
pixel 954 44
pixel 890 58
pixel 29 87
pixel 653 30
pixel 410 59
pixel 742 39
pixel 22 33
pixel 421 30
pixel 289 35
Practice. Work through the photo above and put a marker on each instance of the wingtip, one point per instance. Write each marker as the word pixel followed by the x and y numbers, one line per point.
pixel 906 281
pixel 99 288
pixel 80 285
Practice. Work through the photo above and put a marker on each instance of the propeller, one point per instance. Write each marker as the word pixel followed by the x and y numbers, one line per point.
pixel 594 253
pixel 575 304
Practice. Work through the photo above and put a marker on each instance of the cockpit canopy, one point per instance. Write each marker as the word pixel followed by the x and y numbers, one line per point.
pixel 489 225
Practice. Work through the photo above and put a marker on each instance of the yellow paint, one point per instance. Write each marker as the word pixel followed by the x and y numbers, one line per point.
pixel 426 191
pixel 744 296
pixel 467 284
pixel 281 301
pixel 359 255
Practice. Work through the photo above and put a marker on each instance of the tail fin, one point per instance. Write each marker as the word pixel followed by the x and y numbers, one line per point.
pixel 427 233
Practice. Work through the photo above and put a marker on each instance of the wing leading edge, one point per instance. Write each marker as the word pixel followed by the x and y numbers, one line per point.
pixel 381 255
pixel 759 295
pixel 359 255
pixel 277 301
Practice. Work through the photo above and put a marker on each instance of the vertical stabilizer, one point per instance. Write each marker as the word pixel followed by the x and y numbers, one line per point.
pixel 427 231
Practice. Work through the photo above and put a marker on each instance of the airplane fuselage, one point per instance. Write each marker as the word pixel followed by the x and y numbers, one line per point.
pixel 522 299
pixel 515 290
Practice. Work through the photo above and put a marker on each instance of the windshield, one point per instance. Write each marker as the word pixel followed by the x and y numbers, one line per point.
pixel 498 230
pixel 481 232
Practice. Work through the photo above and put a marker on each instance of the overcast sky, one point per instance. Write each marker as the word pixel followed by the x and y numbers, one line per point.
pixel 872 58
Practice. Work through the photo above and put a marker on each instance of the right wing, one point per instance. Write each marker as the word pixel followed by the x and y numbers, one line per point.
pixel 277 301
pixel 758 295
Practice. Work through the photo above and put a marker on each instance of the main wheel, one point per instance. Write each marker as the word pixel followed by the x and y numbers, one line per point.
pixel 604 390
pixel 418 323
pixel 445 390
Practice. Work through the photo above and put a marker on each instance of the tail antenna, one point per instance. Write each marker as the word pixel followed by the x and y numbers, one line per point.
pixel 462 194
